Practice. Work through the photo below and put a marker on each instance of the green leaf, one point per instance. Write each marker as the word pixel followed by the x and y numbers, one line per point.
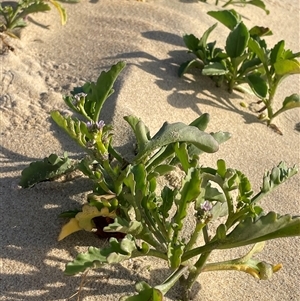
pixel 69 214
pixel 259 31
pixel 220 137
pixel 284 67
pixel 292 101
pixel 145 293
pixel 191 42
pixel 260 4
pixel 258 85
pixel 221 168
pixel 203 40
pixel 190 190
pixel 122 225
pixel 266 227
pixel 229 18
pixel 184 67
pixel 237 41
pixel 277 52
pixel 258 50
pixel 249 65
pixel 46 169
pixel 98 92
pixel 75 128
pixel 214 69
pixel 35 7
pixel 278 175
pixel 168 196
pixel 116 252
pixel 201 122
pixel 182 154
pixel 141 131
pixel 178 132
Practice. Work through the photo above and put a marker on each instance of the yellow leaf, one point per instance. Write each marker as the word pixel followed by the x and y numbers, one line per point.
pixel 85 217
pixel 69 228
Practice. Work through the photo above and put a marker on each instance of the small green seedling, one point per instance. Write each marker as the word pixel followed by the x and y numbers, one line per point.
pixel 146 219
pixel 15 15
pixel 245 60
pixel 257 3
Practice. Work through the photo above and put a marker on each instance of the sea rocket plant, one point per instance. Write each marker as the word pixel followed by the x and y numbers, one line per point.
pixel 145 219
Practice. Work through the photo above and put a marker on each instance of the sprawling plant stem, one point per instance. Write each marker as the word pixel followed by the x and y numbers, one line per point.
pixel 193 275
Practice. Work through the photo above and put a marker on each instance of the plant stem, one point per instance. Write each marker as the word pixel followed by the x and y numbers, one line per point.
pixel 188 283
pixel 194 236
pixel 199 250
pixel 172 279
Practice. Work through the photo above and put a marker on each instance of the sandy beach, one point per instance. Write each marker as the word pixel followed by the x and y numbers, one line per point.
pixel 50 60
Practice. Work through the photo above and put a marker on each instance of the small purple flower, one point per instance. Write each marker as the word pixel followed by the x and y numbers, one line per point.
pixel 100 124
pixel 92 126
pixel 206 206
pixel 78 97
pixel 89 125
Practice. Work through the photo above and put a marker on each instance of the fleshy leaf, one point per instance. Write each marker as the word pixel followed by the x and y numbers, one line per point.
pixel 284 67
pixel 88 213
pixel 260 4
pixel 84 220
pixel 71 227
pixel 184 67
pixel 178 132
pixel 215 68
pixel 258 85
pixel 191 42
pixel 292 101
pixel 98 92
pixel 266 227
pixel 47 169
pixel 75 128
pixel 116 252
pixel 278 175
pixel 259 31
pixel 258 50
pixel 237 41
pixel 229 18
pixel 145 293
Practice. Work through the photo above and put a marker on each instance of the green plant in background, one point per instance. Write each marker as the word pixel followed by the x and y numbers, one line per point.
pixel 246 59
pixel 258 3
pixel 15 15
pixel 150 219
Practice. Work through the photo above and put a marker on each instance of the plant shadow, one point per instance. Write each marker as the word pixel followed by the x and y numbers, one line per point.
pixel 30 252
pixel 191 91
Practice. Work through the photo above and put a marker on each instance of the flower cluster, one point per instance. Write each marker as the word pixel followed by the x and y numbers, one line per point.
pixel 95 126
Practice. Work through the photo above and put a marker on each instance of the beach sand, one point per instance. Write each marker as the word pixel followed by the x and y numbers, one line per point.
pixel 49 61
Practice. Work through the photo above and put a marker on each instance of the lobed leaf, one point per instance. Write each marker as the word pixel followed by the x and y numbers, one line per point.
pixel 278 175
pixel 266 227
pixel 177 132
pixel 145 293
pixel 75 128
pixel 46 169
pixel 116 252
